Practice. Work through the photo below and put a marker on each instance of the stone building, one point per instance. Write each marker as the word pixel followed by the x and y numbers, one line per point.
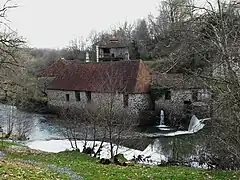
pixel 178 94
pixel 112 51
pixel 126 83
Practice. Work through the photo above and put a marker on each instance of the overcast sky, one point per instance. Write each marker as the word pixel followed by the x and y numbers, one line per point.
pixel 53 23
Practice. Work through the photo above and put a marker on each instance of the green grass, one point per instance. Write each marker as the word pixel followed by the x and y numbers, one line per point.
pixel 89 168
pixel 10 169
pixel 5 144
pixel 17 170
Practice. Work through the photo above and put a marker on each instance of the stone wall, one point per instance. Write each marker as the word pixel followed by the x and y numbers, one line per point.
pixel 176 104
pixel 140 102
pixel 58 98
pixel 136 102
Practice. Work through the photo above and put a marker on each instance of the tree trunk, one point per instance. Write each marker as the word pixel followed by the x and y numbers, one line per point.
pixel 100 147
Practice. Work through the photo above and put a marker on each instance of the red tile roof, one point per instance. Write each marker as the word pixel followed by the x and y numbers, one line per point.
pixel 120 76
pixel 55 69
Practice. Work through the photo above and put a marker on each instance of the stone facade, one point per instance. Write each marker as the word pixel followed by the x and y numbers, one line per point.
pixel 177 98
pixel 140 102
pixel 135 102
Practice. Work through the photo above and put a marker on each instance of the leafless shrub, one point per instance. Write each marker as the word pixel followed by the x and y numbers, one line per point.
pixel 22 126
pixel 70 122
pixel 210 52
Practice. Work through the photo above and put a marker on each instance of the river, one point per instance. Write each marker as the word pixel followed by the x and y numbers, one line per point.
pixel 47 137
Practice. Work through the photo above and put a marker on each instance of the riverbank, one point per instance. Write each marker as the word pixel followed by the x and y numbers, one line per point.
pixel 16 169
pixel 32 105
pixel 31 161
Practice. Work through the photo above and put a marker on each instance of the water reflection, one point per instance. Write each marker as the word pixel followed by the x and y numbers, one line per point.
pixel 178 148
pixel 36 126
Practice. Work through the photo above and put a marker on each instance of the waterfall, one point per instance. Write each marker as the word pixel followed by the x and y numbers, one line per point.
pixel 161 117
pixel 195 124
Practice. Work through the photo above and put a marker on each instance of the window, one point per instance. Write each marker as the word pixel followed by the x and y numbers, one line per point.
pixel 67 97
pixel 125 100
pixel 168 95
pixel 106 51
pixel 77 96
pixel 194 95
pixel 89 96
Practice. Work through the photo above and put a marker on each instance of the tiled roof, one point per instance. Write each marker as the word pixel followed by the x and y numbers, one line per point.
pixel 55 69
pixel 112 43
pixel 176 81
pixel 168 80
pixel 120 76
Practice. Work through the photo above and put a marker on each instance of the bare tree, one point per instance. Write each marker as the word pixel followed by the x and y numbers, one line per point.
pixel 69 122
pixel 10 45
pixel 209 51
pixel 10 123
pixel 165 29
pixel 76 49
pixel 22 125
pixel 115 118
pixel 114 124
pixel 225 38
pixel 104 118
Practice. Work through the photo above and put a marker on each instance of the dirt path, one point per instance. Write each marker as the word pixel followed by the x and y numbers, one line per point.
pixel 2 155
pixel 62 170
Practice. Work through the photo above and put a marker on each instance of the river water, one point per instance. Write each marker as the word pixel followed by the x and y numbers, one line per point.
pixel 47 137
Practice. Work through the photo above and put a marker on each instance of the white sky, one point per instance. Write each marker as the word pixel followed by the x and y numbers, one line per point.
pixel 53 23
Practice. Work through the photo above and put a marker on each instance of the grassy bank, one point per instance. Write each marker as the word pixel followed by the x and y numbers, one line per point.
pixel 89 168
pixel 19 170
pixel 12 169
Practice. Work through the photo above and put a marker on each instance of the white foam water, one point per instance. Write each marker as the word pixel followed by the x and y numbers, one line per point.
pixel 195 125
pixel 154 155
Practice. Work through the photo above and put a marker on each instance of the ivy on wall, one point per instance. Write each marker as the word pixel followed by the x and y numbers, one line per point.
pixel 158 92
